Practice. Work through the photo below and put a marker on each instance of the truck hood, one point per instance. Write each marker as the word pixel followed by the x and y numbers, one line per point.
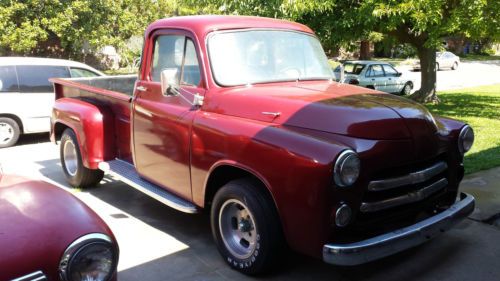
pixel 327 106
pixel 38 221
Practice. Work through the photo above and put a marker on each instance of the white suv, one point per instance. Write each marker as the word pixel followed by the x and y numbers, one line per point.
pixel 26 95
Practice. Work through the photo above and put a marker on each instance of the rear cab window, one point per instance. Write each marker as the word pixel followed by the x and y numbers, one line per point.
pixel 8 79
pixel 35 78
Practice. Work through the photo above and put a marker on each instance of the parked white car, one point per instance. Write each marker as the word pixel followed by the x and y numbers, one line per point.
pixel 376 75
pixel 443 60
pixel 26 95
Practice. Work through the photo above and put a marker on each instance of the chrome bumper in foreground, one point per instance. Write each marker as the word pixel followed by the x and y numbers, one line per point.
pixel 398 240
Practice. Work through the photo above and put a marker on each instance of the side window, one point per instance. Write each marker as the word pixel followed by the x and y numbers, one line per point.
pixel 35 78
pixel 375 71
pixel 168 53
pixel 80 72
pixel 390 71
pixel 191 70
pixel 176 51
pixel 8 79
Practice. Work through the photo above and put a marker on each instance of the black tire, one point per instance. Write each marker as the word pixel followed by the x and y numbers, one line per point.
pixel 11 130
pixel 455 66
pixel 406 89
pixel 268 244
pixel 76 174
pixel 437 66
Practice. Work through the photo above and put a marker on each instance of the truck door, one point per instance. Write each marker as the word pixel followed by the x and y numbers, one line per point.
pixel 162 123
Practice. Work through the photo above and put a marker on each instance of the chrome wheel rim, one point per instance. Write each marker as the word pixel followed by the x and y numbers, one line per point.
pixel 237 228
pixel 6 133
pixel 70 158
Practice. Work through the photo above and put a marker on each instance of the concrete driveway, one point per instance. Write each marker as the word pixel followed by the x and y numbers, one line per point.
pixel 468 74
pixel 158 243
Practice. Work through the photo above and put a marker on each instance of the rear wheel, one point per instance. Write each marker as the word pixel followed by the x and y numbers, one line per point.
pixel 246 227
pixel 71 160
pixel 407 89
pixel 437 66
pixel 9 132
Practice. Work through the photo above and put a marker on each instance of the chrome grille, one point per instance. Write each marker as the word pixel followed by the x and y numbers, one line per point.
pixel 35 276
pixel 410 188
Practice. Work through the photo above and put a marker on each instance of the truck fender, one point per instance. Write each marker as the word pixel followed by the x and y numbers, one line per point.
pixel 92 125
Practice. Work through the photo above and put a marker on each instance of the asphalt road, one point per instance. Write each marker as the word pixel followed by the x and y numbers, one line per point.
pixel 159 243
pixel 468 74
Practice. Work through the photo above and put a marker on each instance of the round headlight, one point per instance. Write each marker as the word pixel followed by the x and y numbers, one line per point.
pixel 465 139
pixel 346 169
pixel 91 257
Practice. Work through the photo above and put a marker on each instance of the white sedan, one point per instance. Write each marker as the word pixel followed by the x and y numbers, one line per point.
pixel 376 75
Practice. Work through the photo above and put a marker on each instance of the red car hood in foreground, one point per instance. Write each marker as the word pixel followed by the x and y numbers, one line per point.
pixel 37 222
pixel 329 107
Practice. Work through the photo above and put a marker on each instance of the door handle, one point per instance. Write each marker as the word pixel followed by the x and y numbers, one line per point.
pixel 141 88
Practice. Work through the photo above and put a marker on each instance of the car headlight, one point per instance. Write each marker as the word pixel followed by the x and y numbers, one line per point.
pixel 91 257
pixel 346 169
pixel 465 139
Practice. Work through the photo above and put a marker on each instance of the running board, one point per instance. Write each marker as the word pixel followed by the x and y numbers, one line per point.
pixel 127 173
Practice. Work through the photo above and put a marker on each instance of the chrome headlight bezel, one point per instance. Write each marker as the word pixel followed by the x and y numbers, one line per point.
pixel 79 245
pixel 347 158
pixel 466 136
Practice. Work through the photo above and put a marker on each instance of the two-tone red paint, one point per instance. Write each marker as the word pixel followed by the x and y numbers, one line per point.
pixel 292 153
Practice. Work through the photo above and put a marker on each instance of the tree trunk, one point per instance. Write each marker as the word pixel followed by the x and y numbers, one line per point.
pixel 427 91
pixel 364 50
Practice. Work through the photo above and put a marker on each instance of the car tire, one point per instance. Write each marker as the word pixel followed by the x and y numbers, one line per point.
pixel 71 160
pixel 9 132
pixel 437 66
pixel 406 89
pixel 246 227
pixel 455 66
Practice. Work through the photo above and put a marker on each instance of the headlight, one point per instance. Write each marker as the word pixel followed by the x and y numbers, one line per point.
pixel 91 257
pixel 346 169
pixel 465 139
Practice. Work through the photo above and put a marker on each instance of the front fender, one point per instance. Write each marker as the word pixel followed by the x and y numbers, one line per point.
pixel 91 126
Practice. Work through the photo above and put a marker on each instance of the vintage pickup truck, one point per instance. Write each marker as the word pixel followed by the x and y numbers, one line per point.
pixel 240 116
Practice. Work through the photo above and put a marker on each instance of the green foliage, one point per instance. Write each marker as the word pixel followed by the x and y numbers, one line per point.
pixel 480 108
pixel 64 27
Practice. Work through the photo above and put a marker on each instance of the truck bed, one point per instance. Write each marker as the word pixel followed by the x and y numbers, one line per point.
pixel 109 93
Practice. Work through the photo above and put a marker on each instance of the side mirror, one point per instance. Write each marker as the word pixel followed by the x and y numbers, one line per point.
pixel 399 74
pixel 169 80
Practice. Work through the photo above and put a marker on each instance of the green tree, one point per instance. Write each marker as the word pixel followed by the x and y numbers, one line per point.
pixel 63 27
pixel 420 23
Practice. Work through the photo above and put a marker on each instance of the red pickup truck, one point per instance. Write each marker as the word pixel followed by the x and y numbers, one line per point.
pixel 241 116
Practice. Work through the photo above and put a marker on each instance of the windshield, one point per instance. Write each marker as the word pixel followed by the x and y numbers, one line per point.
pixel 260 56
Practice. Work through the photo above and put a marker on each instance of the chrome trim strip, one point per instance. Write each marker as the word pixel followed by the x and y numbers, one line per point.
pixel 400 239
pixel 127 173
pixel 35 276
pixel 412 178
pixel 404 199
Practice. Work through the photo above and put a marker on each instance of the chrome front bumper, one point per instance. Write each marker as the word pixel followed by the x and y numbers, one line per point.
pixel 398 240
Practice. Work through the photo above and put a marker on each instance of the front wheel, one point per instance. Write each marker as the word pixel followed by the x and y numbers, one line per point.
pixel 246 227
pixel 71 160
pixel 455 66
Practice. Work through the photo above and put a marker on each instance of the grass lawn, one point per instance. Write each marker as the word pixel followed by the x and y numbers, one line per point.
pixel 480 108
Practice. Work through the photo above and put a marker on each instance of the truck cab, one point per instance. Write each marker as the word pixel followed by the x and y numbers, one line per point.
pixel 241 116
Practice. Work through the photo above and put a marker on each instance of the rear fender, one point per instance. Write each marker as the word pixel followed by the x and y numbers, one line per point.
pixel 93 126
